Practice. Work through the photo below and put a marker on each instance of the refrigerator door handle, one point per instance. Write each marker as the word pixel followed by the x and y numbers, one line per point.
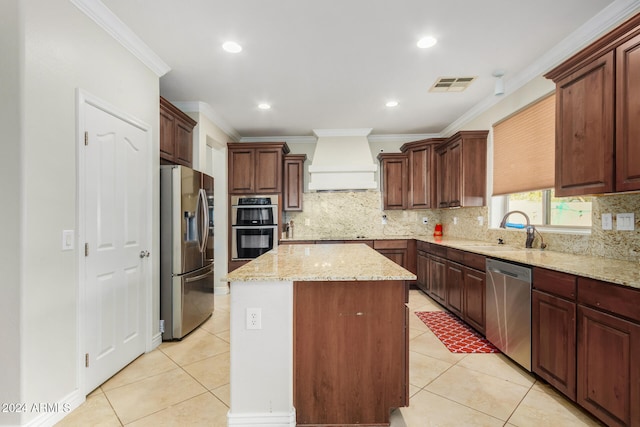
pixel 202 215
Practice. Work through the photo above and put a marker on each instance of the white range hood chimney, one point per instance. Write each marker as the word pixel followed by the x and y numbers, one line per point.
pixel 342 161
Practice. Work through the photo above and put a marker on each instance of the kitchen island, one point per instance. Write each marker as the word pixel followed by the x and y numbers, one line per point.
pixel 318 336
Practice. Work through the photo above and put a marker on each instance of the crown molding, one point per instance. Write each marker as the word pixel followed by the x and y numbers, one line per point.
pixel 407 137
pixel 287 139
pixel 108 21
pixel 208 111
pixel 605 20
pixel 342 132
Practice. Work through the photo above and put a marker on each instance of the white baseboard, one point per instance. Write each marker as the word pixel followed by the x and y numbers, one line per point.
pixel 281 419
pixel 156 341
pixel 50 414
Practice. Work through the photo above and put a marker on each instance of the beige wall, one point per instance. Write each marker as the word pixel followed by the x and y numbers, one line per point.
pixel 63 51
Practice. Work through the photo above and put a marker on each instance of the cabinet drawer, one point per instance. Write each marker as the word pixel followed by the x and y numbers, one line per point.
pixel 422 246
pixel 455 255
pixel 390 244
pixel 610 297
pixel 476 261
pixel 438 250
pixel 555 282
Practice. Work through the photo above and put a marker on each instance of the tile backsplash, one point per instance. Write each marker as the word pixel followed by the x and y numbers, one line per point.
pixel 352 214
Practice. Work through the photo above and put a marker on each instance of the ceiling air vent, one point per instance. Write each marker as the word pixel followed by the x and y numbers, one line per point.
pixel 451 84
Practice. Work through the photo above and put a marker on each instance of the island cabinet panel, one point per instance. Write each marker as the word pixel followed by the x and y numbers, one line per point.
pixel 350 352
pixel 628 111
pixel 584 129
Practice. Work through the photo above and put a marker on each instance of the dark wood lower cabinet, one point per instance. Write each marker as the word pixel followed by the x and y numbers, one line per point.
pixel 474 298
pixel 437 278
pixel 553 336
pixel 350 352
pixel 455 288
pixel 608 367
pixel 423 271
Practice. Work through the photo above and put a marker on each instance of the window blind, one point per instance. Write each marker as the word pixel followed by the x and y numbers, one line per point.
pixel 524 149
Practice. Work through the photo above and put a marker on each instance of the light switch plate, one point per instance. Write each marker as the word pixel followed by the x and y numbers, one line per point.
pixel 607 221
pixel 625 221
pixel 67 240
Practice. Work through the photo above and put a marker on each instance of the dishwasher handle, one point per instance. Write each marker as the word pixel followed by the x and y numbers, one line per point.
pixel 506 273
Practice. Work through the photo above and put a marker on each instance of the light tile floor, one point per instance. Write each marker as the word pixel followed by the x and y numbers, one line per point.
pixel 187 383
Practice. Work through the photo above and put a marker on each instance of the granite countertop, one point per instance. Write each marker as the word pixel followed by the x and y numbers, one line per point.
pixel 319 262
pixel 626 273
pixel 621 272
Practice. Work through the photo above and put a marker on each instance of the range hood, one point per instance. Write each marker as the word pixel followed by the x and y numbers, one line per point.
pixel 342 161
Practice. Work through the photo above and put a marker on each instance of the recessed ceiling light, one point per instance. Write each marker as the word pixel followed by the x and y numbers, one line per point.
pixel 264 106
pixel 427 42
pixel 392 104
pixel 232 47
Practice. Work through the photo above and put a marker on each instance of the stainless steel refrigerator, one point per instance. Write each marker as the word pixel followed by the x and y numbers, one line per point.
pixel 186 267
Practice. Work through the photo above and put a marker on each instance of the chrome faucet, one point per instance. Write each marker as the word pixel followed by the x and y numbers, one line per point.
pixel 530 229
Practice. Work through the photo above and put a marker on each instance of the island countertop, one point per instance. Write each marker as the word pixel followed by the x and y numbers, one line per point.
pixel 334 262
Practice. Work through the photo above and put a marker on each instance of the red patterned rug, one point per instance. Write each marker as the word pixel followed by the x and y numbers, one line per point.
pixel 454 334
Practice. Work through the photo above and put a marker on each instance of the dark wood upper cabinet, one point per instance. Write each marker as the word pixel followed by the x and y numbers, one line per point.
pixel 627 114
pixel 422 173
pixel 461 163
pixel 597 106
pixel 293 181
pixel 393 173
pixel 256 168
pixel 176 135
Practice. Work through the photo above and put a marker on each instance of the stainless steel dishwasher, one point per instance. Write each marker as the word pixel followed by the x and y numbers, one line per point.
pixel 508 310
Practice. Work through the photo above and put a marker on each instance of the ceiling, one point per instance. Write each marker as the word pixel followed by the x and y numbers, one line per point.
pixel 334 64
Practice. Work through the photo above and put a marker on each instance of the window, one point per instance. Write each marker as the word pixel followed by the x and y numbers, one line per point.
pixel 523 163
pixel 544 209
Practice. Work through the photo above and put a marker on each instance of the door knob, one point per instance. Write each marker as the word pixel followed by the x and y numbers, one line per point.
pixel 144 254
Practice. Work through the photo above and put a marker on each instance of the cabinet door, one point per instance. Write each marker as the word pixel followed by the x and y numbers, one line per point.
pixel 420 181
pixel 396 255
pixel 454 174
pixel 585 129
pixel 394 181
pixel 423 271
pixel 293 182
pixel 608 369
pixel 553 341
pixel 443 184
pixel 268 170
pixel 474 298
pixel 455 288
pixel 183 143
pixel 241 171
pixel 437 278
pixel 167 126
pixel 627 114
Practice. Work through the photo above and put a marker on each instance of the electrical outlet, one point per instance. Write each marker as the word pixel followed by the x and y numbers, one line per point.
pixel 480 221
pixel 307 221
pixel 625 221
pixel 455 220
pixel 607 221
pixel 384 219
pixel 425 220
pixel 254 318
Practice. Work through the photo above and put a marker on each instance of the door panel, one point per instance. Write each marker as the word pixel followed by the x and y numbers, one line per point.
pixel 116 213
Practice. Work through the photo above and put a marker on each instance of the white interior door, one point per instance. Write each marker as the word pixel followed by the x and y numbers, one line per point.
pixel 117 214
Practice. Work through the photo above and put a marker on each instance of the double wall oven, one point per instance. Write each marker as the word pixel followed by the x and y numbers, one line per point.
pixel 254 225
